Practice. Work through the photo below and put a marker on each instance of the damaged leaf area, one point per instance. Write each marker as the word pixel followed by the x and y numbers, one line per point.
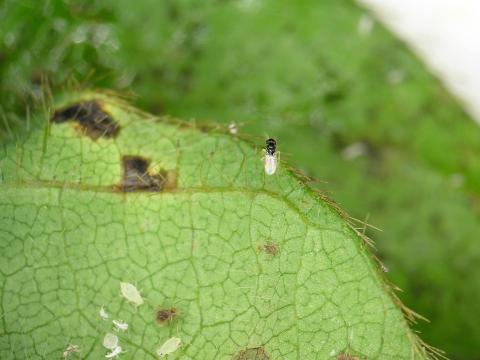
pixel 178 215
pixel 91 119
pixel 136 176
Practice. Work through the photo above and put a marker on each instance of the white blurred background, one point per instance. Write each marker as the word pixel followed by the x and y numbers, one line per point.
pixel 445 34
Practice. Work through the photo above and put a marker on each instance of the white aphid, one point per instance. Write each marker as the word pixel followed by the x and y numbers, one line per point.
pixel 70 350
pixel 355 150
pixel 103 313
pixel 131 293
pixel 271 157
pixel 169 346
pixel 120 325
pixel 233 129
pixel 110 341
pixel 395 76
pixel 365 25
pixel 114 353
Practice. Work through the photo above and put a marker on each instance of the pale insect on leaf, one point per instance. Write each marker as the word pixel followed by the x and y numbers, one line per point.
pixel 110 341
pixel 103 313
pixel 70 350
pixel 114 353
pixel 120 325
pixel 131 293
pixel 271 164
pixel 169 346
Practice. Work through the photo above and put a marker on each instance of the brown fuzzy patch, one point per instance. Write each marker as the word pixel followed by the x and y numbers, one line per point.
pixel 257 353
pixel 270 248
pixel 347 357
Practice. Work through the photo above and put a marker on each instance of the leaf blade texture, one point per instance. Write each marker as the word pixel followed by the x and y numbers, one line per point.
pixel 251 261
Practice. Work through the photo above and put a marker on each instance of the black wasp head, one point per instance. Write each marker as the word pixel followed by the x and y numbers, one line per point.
pixel 271 146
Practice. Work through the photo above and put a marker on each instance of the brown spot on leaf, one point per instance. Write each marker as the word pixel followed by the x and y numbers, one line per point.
pixel 347 357
pixel 165 315
pixel 257 353
pixel 270 248
pixel 138 177
pixel 92 120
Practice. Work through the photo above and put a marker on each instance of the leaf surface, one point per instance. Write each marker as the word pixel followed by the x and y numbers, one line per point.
pixel 251 263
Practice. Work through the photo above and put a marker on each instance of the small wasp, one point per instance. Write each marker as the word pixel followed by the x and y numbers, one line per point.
pixel 271 157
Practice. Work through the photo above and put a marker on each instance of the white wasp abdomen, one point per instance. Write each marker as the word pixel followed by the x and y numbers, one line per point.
pixel 271 163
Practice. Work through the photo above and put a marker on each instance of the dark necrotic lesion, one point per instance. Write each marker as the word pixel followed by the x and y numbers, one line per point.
pixel 90 116
pixel 136 176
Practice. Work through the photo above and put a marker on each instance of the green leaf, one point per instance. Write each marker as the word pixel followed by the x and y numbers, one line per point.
pixel 253 265
pixel 303 72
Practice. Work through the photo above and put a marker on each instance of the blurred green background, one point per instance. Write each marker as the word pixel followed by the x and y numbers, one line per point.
pixel 348 103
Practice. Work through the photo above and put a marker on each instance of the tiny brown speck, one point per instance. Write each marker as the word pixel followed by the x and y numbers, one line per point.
pixel 347 357
pixel 257 353
pixel 270 248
